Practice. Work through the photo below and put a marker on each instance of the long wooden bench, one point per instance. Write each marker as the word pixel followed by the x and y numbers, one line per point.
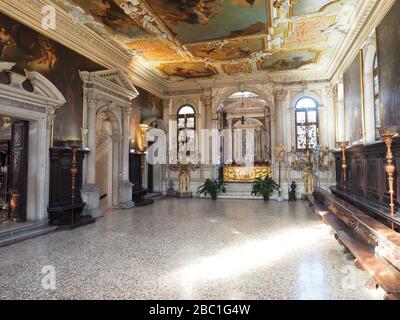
pixel 347 231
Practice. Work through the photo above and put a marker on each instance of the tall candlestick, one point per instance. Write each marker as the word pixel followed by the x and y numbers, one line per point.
pixel 74 173
pixel 343 146
pixel 387 135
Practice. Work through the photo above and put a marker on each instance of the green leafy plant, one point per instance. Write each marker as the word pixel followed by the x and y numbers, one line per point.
pixel 212 187
pixel 264 187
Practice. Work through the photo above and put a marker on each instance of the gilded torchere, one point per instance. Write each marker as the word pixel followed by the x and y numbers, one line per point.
pixel 343 146
pixel 74 173
pixel 387 135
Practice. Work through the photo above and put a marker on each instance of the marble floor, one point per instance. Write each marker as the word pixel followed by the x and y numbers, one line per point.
pixel 187 249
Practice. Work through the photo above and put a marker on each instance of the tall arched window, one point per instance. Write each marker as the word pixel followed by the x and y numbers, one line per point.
pixel 306 124
pixel 186 130
pixel 376 97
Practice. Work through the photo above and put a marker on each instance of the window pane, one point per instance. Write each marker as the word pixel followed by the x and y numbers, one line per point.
pixel 181 123
pixel 190 122
pixel 301 117
pixel 182 136
pixel 312 136
pixel 376 85
pixel 301 137
pixel 186 110
pixel 312 116
pixel 190 134
pixel 306 103
pixel 377 114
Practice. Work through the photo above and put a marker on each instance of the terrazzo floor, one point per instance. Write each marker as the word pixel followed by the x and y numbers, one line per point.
pixel 187 249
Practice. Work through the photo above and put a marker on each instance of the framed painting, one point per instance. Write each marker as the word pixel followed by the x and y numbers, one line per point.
pixel 388 41
pixel 353 101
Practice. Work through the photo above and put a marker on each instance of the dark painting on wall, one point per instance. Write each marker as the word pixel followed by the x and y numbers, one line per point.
pixel 150 105
pixel 388 39
pixel 353 101
pixel 31 50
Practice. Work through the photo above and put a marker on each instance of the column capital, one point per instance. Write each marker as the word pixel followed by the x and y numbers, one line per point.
pixel 329 90
pixel 127 110
pixel 92 100
pixel 280 94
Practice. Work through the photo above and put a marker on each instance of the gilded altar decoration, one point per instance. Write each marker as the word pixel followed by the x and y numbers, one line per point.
pixel 246 174
pixel 184 178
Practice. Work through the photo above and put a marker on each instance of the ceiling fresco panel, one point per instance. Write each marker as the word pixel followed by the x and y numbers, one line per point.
pixel 303 7
pixel 201 20
pixel 234 49
pixel 308 31
pixel 112 17
pixel 200 38
pixel 187 70
pixel 287 60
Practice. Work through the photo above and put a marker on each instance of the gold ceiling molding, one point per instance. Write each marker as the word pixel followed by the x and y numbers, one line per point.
pixel 155 50
pixel 236 68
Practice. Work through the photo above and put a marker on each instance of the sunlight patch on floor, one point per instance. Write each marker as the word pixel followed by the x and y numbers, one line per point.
pixel 235 261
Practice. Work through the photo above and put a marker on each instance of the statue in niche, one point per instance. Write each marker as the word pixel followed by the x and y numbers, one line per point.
pixel 292 192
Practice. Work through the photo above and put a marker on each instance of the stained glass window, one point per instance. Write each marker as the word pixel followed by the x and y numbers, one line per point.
pixel 376 98
pixel 186 130
pixel 306 124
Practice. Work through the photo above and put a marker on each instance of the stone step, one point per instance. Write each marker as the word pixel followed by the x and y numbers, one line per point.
pixel 239 191
pixel 15 234
pixel 154 196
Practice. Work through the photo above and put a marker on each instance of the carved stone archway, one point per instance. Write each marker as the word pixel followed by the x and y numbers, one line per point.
pixel 108 91
pixel 38 106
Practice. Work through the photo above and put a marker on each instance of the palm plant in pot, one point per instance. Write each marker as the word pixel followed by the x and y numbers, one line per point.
pixel 212 187
pixel 264 187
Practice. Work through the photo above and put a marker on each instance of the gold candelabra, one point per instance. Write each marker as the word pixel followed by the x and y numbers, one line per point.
pixel 387 135
pixel 343 146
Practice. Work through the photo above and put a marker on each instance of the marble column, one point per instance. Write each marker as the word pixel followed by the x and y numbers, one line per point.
pixel 90 191
pixel 327 135
pixel 228 142
pixel 341 125
pixel 280 100
pixel 369 103
pixel 258 144
pixel 125 187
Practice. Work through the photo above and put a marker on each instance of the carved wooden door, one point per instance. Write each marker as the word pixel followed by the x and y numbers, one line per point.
pixel 19 170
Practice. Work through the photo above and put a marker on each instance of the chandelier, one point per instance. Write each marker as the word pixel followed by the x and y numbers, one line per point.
pixel 242 119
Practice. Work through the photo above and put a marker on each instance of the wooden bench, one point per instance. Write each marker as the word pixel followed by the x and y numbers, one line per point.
pixel 381 271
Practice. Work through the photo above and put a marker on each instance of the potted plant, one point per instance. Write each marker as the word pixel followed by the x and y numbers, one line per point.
pixel 212 187
pixel 264 187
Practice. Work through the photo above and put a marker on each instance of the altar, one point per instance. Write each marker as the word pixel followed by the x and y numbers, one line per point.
pixel 234 173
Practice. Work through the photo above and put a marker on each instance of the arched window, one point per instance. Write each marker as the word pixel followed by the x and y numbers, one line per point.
pixel 186 130
pixel 306 124
pixel 376 97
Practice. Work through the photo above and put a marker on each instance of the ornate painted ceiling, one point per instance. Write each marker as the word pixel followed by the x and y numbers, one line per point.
pixel 189 39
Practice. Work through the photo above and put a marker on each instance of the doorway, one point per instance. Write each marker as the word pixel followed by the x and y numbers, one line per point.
pixel 14 141
pixel 108 158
